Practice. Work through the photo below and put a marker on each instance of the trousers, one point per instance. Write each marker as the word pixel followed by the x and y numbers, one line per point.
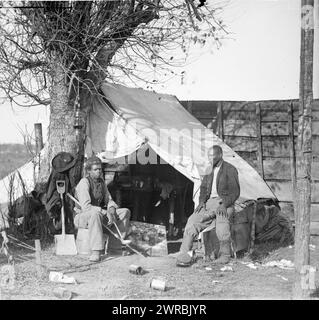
pixel 93 221
pixel 199 221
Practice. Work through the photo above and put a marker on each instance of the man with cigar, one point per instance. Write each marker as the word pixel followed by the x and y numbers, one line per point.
pixel 98 208
pixel 218 192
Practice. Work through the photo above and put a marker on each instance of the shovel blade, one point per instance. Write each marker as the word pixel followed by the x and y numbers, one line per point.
pixel 65 245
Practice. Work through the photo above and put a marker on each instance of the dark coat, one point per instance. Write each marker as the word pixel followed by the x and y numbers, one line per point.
pixel 227 184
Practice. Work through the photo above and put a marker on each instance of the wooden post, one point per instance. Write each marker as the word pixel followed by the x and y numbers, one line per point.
pixel 38 137
pixel 38 148
pixel 38 260
pixel 302 202
pixel 292 149
pixel 220 121
pixel 259 141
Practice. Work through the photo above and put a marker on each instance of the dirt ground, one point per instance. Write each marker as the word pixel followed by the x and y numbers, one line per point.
pixel 110 278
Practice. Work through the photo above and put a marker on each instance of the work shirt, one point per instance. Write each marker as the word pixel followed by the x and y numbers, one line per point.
pixel 214 185
pixel 82 193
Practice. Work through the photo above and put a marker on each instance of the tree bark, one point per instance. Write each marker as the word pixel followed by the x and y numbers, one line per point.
pixel 62 136
pixel 304 155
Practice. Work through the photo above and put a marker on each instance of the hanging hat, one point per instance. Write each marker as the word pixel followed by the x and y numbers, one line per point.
pixel 63 161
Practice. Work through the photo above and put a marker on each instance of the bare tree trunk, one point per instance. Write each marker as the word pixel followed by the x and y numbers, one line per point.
pixel 62 135
pixel 304 152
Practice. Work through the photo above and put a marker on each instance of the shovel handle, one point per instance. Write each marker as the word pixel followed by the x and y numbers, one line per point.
pixel 62 215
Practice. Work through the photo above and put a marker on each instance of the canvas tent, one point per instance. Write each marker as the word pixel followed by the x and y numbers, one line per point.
pixel 127 119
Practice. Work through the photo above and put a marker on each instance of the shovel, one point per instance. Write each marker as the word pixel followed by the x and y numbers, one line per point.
pixel 118 236
pixel 64 243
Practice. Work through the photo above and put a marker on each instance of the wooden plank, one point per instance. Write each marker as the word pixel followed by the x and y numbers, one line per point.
pixel 241 143
pixel 283 190
pixel 288 209
pixel 275 128
pixel 240 115
pixel 276 146
pixel 272 146
pixel 259 141
pixel 279 146
pixel 280 105
pixel 235 127
pixel 273 116
pixel 280 168
pixel 239 106
pixel 266 115
pixel 203 114
pixel 244 128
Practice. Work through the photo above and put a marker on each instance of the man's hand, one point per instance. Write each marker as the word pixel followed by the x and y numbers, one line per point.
pixel 111 215
pixel 221 210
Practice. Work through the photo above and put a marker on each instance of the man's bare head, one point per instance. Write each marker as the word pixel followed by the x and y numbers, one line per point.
pixel 94 167
pixel 215 154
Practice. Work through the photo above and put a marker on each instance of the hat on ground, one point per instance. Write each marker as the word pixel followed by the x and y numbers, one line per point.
pixel 63 161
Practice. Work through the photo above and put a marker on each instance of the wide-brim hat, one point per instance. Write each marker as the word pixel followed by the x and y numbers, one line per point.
pixel 63 161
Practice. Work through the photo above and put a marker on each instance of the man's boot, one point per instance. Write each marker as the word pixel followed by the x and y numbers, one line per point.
pixel 224 252
pixel 95 256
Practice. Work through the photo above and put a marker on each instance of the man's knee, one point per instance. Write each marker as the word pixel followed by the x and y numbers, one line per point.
pixel 95 214
pixel 124 214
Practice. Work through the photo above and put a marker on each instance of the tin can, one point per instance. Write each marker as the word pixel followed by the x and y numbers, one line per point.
pixel 135 269
pixel 62 293
pixel 55 276
pixel 158 284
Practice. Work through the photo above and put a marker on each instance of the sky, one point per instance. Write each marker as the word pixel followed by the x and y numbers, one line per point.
pixel 260 62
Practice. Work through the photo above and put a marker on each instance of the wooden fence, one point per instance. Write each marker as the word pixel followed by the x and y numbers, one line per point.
pixel 264 134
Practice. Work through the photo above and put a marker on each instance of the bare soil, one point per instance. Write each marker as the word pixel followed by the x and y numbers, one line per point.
pixel 110 278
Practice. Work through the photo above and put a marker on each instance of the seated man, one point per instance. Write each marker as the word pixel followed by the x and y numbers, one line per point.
pixel 97 206
pixel 218 192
